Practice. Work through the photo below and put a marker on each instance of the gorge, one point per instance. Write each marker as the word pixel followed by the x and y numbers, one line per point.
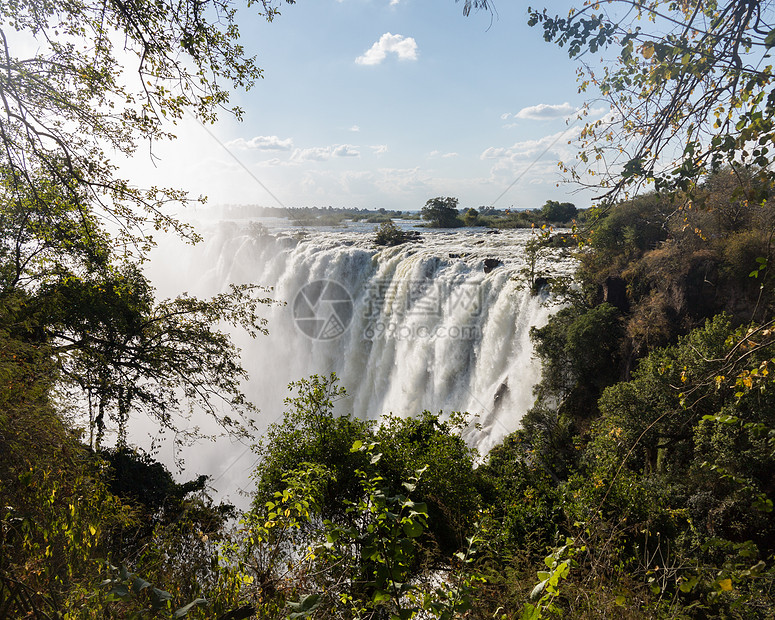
pixel 440 324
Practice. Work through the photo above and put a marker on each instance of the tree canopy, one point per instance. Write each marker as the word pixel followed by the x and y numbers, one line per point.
pixel 689 89
pixel 441 212
pixel 108 77
pixel 559 211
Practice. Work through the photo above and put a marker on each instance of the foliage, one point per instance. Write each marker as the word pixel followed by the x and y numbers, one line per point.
pixel 471 217
pixel 82 94
pixel 554 211
pixel 559 564
pixel 670 266
pixel 448 485
pixel 126 587
pixel 387 233
pixel 688 90
pixel 312 433
pixel 441 212
pixel 625 233
pixel 522 498
pixel 73 233
pixel 579 350
pixel 363 566
pixel 66 514
pixel 58 516
pixel 506 219
pixel 128 353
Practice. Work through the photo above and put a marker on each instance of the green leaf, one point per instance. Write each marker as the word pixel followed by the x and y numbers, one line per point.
pixel 530 612
pixel 412 528
pixel 119 592
pixel 138 585
pixel 159 597
pixel 421 508
pixel 769 40
pixel 305 606
pixel 183 611
pixel 380 596
pixel 763 504
pixel 538 589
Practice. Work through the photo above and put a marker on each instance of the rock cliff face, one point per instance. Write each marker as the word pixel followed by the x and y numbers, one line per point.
pixel 615 293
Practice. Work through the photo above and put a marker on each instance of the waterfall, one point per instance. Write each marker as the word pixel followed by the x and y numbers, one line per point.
pixel 440 324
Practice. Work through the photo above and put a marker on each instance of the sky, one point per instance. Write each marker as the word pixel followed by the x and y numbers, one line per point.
pixel 386 104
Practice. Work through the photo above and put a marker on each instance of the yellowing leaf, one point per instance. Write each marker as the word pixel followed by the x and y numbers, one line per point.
pixel 725 585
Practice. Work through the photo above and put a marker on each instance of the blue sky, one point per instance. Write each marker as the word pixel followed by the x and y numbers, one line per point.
pixel 386 103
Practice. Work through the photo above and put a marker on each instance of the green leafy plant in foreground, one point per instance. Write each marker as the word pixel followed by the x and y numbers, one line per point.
pixel 558 563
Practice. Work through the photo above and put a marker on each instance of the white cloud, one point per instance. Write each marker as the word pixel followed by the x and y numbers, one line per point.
pixel 505 116
pixel 493 153
pixel 402 181
pixel 379 149
pixel 544 111
pixel 444 155
pixel 345 150
pixel 263 143
pixel 355 128
pixel 317 153
pixel 323 153
pixel 552 146
pixel 403 47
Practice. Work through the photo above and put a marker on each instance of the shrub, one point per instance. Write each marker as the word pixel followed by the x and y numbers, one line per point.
pixel 387 233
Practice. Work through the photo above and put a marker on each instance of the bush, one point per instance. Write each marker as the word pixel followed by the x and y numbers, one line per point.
pixel 387 233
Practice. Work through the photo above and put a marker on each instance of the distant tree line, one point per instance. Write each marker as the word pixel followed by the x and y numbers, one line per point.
pixel 443 212
pixel 439 212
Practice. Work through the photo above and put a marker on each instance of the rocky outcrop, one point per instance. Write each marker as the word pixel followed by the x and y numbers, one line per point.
pixel 491 263
pixel 615 293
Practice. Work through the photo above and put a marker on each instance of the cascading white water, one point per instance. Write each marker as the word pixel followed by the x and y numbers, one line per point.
pixel 427 327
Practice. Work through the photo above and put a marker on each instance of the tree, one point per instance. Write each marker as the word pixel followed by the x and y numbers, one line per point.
pixel 62 288
pixel 79 96
pixel 72 232
pixel 471 217
pixel 558 211
pixel 689 91
pixel 441 213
